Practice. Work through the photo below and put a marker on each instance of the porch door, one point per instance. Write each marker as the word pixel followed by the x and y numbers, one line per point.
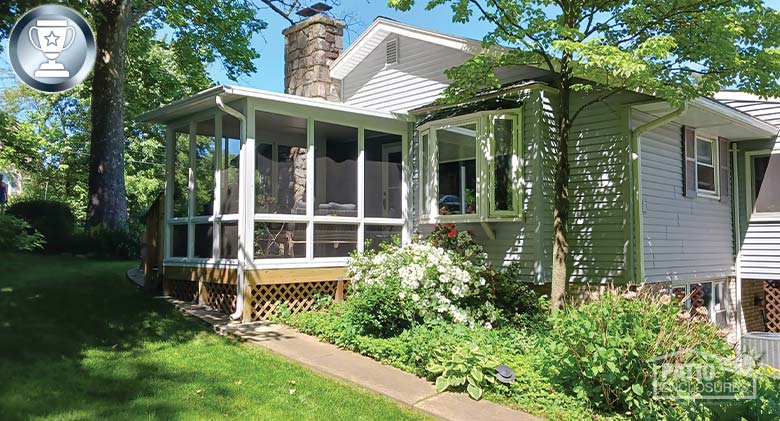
pixel 391 179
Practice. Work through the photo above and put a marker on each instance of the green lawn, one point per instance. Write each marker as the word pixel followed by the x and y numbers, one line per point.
pixel 78 341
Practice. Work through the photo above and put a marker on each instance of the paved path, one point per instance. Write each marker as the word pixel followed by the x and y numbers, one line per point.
pixel 328 359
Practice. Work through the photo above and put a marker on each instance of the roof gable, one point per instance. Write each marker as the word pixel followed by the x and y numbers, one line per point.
pixel 380 29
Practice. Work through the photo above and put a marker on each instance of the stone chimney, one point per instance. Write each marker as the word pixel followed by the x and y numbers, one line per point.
pixel 310 46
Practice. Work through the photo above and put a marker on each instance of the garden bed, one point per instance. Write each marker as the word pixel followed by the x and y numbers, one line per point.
pixel 436 309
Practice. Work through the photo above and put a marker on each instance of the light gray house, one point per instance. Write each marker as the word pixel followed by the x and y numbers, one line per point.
pixel 268 193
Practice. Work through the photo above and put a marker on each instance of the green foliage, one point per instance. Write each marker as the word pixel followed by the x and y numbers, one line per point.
pixel 600 351
pixel 378 309
pixel 53 220
pixel 468 367
pixel 677 51
pixel 103 241
pixel 17 235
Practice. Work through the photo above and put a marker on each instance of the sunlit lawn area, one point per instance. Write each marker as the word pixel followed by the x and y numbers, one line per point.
pixel 78 341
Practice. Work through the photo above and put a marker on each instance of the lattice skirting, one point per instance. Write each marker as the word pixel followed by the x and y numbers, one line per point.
pixel 220 297
pixel 182 290
pixel 300 297
pixel 772 306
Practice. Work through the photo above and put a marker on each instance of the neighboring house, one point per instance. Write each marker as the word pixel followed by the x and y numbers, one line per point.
pixel 13 178
pixel 359 154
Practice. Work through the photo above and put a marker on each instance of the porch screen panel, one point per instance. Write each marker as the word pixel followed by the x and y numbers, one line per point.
pixel 275 240
pixel 205 153
pixel 335 169
pixel 503 135
pixel 228 240
pixel 204 240
pixel 383 170
pixel 181 173
pixel 179 240
pixel 457 152
pixel 334 240
pixel 376 235
pixel 231 149
pixel 280 164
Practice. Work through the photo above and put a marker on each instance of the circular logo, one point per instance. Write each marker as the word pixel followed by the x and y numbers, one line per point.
pixel 52 48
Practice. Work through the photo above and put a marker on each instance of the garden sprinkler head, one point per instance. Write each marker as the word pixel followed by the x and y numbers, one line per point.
pixel 505 374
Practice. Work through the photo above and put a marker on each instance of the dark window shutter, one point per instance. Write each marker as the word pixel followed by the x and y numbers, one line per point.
pixel 725 168
pixel 689 160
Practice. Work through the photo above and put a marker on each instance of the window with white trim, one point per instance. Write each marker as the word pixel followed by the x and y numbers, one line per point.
pixel 708 295
pixel 707 167
pixel 765 187
pixel 470 167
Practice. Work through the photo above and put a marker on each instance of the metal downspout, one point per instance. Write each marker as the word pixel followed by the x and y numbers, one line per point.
pixel 737 243
pixel 241 258
pixel 636 197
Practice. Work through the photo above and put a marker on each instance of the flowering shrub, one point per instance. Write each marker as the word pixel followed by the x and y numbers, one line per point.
pixel 436 282
pixel 462 242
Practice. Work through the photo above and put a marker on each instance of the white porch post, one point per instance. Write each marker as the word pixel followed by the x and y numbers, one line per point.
pixel 406 184
pixel 169 180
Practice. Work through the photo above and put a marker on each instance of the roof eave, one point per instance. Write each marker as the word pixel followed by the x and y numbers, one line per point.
pixel 158 114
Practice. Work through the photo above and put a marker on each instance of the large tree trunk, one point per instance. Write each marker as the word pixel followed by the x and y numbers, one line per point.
pixel 107 195
pixel 560 271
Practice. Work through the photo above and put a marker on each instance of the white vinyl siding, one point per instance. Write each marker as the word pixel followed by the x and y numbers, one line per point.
pixel 684 238
pixel 760 253
pixel 599 191
pixel 417 78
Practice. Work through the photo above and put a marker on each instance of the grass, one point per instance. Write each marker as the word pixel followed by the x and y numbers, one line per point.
pixel 78 341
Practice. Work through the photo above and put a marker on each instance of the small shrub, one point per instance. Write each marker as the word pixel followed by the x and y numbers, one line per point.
pixel 600 350
pixel 53 220
pixel 379 308
pixel 106 242
pixel 17 235
pixel 468 367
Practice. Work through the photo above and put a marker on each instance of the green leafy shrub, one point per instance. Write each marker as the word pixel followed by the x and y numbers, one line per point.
pixel 468 367
pixel 379 308
pixel 17 235
pixel 54 220
pixel 600 351
pixel 106 242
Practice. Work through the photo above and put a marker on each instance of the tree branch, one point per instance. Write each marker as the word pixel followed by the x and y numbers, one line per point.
pixel 271 5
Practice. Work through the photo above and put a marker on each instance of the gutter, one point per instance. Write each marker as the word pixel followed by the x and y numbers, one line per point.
pixel 241 283
pixel 636 196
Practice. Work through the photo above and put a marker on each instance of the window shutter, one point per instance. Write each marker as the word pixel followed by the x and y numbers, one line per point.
pixel 689 161
pixel 725 169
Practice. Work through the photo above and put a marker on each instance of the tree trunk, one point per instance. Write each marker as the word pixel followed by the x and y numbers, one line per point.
pixel 561 197
pixel 107 195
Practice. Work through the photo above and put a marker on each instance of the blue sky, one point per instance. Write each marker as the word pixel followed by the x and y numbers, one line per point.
pixel 270 44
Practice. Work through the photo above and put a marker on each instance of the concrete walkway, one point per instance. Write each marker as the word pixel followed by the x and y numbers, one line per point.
pixel 328 359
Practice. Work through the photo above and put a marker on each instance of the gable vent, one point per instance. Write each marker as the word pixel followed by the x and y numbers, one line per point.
pixel 391 51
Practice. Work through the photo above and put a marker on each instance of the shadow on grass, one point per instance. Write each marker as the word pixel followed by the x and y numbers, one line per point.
pixel 77 340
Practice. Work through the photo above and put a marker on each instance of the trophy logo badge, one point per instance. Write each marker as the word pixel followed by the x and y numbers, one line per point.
pixel 52 48
pixel 52 38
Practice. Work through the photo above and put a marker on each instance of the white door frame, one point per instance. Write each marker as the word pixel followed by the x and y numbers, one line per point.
pixel 387 149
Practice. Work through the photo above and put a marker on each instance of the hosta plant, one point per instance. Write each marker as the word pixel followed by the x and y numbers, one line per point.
pixel 469 367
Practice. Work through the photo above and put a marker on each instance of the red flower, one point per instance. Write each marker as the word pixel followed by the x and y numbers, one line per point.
pixel 450 227
pixel 452 233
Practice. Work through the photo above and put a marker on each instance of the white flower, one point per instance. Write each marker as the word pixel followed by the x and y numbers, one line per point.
pixel 415 297
pixel 488 325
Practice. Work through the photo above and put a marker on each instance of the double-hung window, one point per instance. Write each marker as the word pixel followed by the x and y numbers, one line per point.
pixel 470 167
pixel 707 167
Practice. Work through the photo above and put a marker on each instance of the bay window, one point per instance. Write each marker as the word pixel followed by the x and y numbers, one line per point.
pixel 470 167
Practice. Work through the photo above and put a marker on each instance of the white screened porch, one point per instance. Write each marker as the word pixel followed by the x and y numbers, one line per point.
pixel 260 182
